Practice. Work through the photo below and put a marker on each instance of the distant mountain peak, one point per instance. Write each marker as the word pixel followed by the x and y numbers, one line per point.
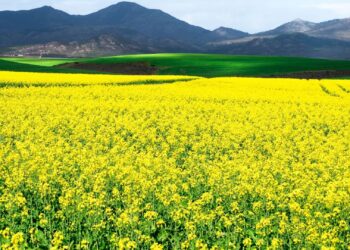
pixel 125 5
pixel 299 20
pixel 229 33
pixel 48 11
pixel 222 28
pixel 46 8
pixel 128 27
pixel 295 26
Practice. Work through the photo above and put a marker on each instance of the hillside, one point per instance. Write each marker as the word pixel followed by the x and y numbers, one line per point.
pixel 296 26
pixel 336 29
pixel 222 65
pixel 129 28
pixel 291 44
pixel 182 64
pixel 121 28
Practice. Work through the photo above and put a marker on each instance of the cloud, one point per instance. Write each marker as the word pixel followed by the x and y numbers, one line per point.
pixel 341 9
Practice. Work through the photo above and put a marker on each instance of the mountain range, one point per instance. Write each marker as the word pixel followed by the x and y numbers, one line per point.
pixel 127 28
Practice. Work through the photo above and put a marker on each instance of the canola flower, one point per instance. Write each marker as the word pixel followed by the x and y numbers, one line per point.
pixel 222 163
pixel 20 79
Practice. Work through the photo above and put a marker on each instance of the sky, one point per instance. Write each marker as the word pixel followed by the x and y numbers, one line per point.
pixel 247 15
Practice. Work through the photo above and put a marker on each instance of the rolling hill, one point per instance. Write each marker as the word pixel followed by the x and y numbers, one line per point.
pixel 183 64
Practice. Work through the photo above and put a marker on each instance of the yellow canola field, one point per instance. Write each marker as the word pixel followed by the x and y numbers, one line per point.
pixel 8 78
pixel 223 163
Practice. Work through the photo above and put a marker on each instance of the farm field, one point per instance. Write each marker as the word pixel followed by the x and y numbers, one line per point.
pixel 182 64
pixel 45 62
pixel 223 65
pixel 35 65
pixel 27 79
pixel 110 162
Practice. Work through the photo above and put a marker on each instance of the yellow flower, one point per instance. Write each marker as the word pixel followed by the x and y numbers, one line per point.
pixel 57 239
pixel 247 242
pixel 156 246
pixel 201 245
pixel 17 239
pixel 260 242
pixel 43 222
pixel 131 245
pixel 151 215
pixel 235 206
pixel 160 223
pixel 6 233
pixel 327 248
pixel 263 223
pixel 343 225
pixel 185 245
pixel 220 234
pixel 6 247
pixel 84 244
pixel 276 243
pixel 212 157
pixel 126 244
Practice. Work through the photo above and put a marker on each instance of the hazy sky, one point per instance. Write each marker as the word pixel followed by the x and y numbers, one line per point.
pixel 247 15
